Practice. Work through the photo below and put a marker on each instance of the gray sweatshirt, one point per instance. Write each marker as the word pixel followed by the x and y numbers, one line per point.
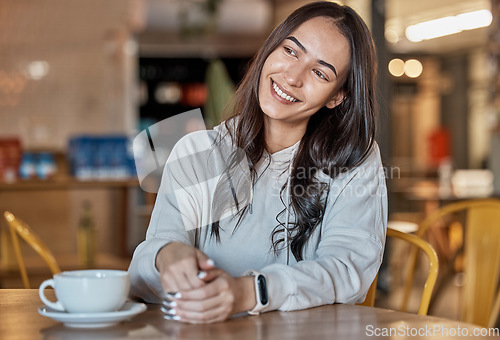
pixel 341 257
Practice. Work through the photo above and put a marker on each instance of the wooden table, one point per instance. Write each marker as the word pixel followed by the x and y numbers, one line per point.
pixel 19 319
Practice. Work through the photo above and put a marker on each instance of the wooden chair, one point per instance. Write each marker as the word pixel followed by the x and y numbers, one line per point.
pixel 19 228
pixel 481 294
pixel 431 276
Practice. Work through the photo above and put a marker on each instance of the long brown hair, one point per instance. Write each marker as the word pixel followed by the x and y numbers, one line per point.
pixel 336 140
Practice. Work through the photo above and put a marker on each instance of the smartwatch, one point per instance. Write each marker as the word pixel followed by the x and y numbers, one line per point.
pixel 260 292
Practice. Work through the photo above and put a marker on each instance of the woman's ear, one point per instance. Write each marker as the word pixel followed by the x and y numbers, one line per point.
pixel 336 100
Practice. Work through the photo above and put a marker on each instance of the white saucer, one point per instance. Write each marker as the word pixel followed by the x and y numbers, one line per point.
pixel 94 320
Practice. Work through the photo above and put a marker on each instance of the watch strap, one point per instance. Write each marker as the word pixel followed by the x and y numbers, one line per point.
pixel 261 296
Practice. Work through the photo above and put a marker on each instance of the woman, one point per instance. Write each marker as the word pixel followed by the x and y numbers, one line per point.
pixel 308 218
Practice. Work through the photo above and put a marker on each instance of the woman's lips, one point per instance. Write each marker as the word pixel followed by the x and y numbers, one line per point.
pixel 280 95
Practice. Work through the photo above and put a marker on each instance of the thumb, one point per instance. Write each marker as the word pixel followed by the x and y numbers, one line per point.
pixel 204 262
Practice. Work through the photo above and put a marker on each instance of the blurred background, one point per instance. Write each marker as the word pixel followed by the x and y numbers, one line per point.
pixel 79 79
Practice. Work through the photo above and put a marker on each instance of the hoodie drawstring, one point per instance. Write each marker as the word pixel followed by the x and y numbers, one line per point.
pixel 286 221
pixel 288 206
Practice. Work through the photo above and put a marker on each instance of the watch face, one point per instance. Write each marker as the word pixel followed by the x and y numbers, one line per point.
pixel 262 286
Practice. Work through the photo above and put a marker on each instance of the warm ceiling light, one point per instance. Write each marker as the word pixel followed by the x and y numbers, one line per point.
pixel 476 19
pixel 391 36
pixel 397 67
pixel 448 25
pixel 413 68
pixel 38 69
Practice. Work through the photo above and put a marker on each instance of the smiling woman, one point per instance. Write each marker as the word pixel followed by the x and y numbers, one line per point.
pixel 298 77
pixel 283 206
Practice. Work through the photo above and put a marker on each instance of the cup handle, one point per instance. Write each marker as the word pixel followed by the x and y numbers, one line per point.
pixel 41 291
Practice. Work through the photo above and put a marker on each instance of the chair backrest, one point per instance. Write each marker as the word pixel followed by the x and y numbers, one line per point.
pixel 18 227
pixel 370 295
pixel 482 256
pixel 430 282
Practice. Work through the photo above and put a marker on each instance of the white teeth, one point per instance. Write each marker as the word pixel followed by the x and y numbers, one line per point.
pixel 282 94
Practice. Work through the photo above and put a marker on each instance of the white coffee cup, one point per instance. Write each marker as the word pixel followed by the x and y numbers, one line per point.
pixel 87 291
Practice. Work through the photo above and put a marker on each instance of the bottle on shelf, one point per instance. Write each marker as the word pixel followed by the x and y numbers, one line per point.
pixel 445 174
pixel 86 238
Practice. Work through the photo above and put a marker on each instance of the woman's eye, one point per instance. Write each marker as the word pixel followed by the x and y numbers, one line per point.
pixel 288 50
pixel 319 74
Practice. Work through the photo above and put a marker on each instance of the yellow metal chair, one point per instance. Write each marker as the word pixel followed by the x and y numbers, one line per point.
pixel 370 296
pixel 481 297
pixel 18 227
pixel 431 276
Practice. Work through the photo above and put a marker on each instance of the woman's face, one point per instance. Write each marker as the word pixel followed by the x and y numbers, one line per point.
pixel 304 73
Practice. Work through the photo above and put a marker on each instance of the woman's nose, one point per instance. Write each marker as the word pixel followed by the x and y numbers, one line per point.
pixel 294 75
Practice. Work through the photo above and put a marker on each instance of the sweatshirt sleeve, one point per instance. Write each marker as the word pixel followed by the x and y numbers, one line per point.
pixel 350 249
pixel 176 215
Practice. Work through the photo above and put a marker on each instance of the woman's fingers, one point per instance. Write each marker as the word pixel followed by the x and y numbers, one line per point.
pixel 209 275
pixel 204 262
pixel 216 308
pixel 187 269
pixel 214 301
pixel 204 292
pixel 213 315
pixel 193 279
pixel 178 266
pixel 193 305
pixel 168 284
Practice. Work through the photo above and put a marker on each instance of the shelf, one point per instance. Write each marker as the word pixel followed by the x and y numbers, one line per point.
pixel 67 183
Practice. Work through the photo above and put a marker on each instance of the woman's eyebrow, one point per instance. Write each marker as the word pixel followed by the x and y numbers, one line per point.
pixel 322 62
pixel 292 38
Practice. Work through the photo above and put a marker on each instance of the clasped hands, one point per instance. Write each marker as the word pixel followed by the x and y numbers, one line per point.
pixel 196 290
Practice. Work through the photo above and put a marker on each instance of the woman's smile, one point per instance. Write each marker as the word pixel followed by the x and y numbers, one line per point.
pixel 282 94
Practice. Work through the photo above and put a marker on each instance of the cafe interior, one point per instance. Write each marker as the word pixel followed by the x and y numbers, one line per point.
pixel 81 79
